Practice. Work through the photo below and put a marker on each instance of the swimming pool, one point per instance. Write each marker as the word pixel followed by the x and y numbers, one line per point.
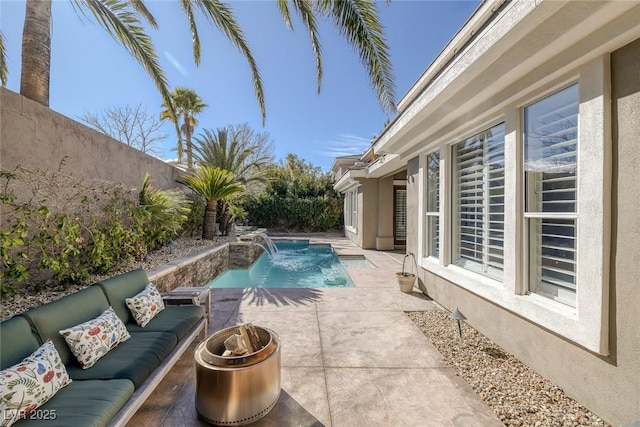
pixel 297 264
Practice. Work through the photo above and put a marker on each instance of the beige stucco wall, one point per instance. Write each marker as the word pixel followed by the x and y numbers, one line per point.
pixel 609 386
pixel 368 212
pixel 384 233
pixel 36 137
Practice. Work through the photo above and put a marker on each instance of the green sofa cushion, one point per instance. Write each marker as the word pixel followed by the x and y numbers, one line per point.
pixel 16 341
pixel 47 320
pixel 83 404
pixel 134 359
pixel 123 286
pixel 176 319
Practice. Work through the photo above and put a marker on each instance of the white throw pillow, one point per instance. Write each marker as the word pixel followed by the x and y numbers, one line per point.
pixel 31 383
pixel 145 305
pixel 91 340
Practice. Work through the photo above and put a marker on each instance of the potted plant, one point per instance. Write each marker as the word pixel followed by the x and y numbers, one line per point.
pixel 406 279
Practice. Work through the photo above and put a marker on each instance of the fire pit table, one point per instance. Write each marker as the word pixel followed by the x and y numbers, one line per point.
pixel 237 390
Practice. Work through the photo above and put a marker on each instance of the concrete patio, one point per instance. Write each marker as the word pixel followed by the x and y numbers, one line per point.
pixel 350 357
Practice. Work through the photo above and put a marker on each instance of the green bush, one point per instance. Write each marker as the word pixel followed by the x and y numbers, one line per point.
pixel 60 229
pixel 297 197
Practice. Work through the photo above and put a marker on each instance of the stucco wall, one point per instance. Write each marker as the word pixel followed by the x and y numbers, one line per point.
pixel 369 213
pixel 385 214
pixel 36 137
pixel 609 386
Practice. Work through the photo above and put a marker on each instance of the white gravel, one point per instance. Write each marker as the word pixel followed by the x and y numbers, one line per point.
pixel 517 395
pixel 30 296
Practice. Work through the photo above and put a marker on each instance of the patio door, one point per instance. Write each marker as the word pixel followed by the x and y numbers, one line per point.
pixel 400 215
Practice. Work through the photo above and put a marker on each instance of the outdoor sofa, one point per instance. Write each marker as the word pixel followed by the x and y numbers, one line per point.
pixel 110 391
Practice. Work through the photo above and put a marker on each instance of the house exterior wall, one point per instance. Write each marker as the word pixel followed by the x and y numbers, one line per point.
pixel 384 235
pixel 368 199
pixel 35 137
pixel 607 383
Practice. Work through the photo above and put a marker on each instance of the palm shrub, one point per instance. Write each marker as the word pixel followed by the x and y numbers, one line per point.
pixel 164 213
pixel 212 184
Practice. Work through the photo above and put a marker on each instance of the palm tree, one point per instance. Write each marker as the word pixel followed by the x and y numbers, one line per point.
pixel 356 20
pixel 186 103
pixel 237 150
pixel 4 72
pixel 213 184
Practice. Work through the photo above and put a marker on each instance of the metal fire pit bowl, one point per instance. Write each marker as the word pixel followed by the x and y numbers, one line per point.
pixel 232 391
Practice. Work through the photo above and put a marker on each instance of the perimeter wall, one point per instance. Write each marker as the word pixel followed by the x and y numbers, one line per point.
pixel 35 137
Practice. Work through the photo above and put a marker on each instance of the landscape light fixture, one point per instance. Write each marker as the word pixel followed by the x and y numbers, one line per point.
pixel 457 316
pixel 171 244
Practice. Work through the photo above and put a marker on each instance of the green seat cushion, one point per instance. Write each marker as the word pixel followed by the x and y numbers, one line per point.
pixel 134 359
pixel 83 403
pixel 118 288
pixel 47 320
pixel 16 341
pixel 175 319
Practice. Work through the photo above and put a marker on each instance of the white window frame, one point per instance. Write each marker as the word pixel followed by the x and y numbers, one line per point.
pixel 432 213
pixel 533 213
pixel 351 210
pixel 587 324
pixel 484 266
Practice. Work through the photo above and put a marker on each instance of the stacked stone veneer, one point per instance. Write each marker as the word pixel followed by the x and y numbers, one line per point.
pixel 203 266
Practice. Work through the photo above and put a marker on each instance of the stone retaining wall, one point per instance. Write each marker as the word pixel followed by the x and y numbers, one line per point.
pixel 203 266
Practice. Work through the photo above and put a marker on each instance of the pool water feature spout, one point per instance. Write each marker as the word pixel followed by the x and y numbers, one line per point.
pixel 264 249
pixel 272 246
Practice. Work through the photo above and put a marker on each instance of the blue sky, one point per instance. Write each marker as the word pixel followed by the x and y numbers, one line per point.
pixel 90 71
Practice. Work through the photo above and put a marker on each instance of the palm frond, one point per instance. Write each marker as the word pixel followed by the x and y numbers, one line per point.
pixel 212 183
pixel 357 21
pixel 222 16
pixel 283 6
pixel 4 70
pixel 124 26
pixel 142 10
pixel 187 6
pixel 308 18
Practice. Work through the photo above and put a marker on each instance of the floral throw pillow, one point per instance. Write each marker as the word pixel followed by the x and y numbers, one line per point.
pixel 32 382
pixel 91 340
pixel 146 305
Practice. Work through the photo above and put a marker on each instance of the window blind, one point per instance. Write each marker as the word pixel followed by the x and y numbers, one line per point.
pixel 550 163
pixel 480 202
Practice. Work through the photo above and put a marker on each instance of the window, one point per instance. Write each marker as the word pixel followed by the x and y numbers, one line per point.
pixel 479 202
pixel 550 163
pixel 351 209
pixel 433 204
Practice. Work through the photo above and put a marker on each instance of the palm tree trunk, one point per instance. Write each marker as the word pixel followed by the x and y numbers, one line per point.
pixel 209 225
pixel 187 136
pixel 36 51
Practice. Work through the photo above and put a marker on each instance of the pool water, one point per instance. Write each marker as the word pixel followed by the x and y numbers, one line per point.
pixel 356 261
pixel 297 264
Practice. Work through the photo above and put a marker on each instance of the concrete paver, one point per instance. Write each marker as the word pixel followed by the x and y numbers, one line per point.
pixel 350 357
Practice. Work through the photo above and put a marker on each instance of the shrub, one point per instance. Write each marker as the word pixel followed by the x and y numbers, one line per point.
pixel 58 228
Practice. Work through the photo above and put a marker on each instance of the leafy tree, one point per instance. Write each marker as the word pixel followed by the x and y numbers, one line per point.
pixel 356 20
pixel 213 184
pixel 186 103
pixel 132 125
pixel 298 196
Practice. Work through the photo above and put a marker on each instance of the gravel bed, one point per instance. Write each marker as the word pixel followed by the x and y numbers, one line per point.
pixel 29 297
pixel 517 395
